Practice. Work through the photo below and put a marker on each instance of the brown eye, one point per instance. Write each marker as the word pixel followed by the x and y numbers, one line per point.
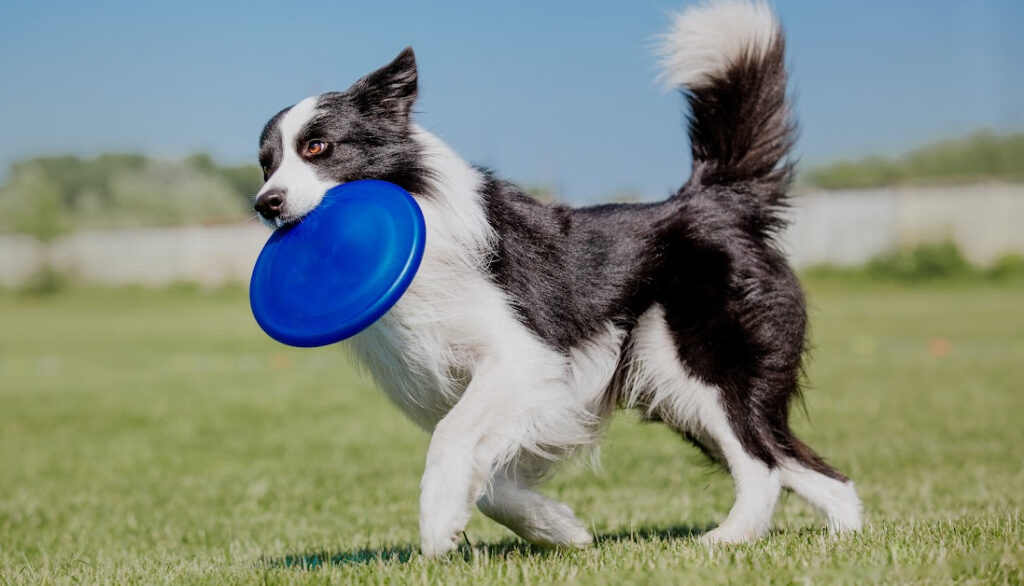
pixel 315 147
pixel 266 173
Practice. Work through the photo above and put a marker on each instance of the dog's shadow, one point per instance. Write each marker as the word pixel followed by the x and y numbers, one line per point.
pixel 498 550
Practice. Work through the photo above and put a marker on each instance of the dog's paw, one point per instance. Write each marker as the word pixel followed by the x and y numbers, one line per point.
pixel 728 535
pixel 439 544
pixel 442 519
pixel 554 525
pixel 441 525
pixel 845 512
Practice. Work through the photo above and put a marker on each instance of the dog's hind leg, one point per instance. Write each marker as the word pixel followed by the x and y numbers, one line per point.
pixel 756 482
pixel 660 385
pixel 757 490
pixel 531 515
pixel 823 487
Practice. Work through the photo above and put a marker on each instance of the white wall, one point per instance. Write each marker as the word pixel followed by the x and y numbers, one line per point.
pixel 849 227
pixel 844 228
pixel 209 255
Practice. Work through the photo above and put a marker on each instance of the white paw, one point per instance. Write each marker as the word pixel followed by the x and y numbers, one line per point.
pixel 555 525
pixel 435 546
pixel 844 522
pixel 440 532
pixel 844 516
pixel 444 510
pixel 728 535
pixel 578 537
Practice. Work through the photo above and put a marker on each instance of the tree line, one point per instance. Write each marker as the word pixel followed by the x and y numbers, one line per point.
pixel 982 156
pixel 47 196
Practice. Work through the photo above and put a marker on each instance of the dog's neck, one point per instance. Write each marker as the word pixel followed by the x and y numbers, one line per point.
pixel 452 204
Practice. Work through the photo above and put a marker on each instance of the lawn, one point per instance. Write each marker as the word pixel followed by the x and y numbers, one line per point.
pixel 150 437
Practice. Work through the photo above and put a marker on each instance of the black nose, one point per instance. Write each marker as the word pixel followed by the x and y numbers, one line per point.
pixel 270 204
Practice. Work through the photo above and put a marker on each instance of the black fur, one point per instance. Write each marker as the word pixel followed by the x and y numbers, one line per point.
pixel 271 144
pixel 568 270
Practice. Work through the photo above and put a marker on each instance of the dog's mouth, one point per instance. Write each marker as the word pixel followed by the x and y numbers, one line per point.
pixel 291 219
pixel 296 206
pixel 288 217
pixel 286 223
pixel 280 222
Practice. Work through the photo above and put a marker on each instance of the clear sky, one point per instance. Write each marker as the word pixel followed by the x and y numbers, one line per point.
pixel 556 92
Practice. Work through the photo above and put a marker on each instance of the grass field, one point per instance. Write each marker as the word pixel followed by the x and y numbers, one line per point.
pixel 151 437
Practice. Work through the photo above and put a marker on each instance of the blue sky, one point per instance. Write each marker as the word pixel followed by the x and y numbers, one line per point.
pixel 560 93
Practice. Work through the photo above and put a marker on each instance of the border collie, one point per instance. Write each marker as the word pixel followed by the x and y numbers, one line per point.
pixel 528 324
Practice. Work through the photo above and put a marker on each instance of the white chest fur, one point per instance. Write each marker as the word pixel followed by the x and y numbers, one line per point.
pixel 413 362
pixel 422 352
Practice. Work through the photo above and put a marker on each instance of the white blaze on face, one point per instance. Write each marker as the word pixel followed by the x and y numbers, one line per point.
pixel 303 188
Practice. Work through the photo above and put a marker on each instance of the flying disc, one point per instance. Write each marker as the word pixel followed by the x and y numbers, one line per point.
pixel 331 275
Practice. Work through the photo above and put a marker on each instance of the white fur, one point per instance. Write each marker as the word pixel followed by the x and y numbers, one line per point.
pixel 706 39
pixel 304 189
pixel 533 516
pixel 837 500
pixel 657 382
pixel 592 365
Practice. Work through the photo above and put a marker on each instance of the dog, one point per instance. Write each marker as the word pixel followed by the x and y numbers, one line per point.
pixel 529 324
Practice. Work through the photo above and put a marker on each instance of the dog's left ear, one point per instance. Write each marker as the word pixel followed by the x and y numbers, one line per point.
pixel 391 90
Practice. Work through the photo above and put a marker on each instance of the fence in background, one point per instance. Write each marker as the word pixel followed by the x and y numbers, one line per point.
pixel 841 228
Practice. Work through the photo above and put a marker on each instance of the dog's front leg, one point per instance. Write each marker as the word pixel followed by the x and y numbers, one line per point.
pixel 480 431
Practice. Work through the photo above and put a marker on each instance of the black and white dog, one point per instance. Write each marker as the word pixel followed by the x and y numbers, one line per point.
pixel 528 324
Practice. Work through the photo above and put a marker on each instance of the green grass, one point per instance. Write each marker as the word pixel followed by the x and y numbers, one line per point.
pixel 151 437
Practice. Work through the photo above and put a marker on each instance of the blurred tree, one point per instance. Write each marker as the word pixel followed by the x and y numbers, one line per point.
pixel 245 179
pixel 625 196
pixel 123 189
pixel 172 193
pixel 32 203
pixel 542 193
pixel 982 156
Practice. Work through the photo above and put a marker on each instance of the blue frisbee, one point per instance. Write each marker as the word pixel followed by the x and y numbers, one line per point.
pixel 341 268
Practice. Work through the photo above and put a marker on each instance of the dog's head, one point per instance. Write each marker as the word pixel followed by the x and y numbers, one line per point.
pixel 364 132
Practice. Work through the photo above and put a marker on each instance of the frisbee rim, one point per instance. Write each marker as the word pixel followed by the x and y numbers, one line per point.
pixel 311 336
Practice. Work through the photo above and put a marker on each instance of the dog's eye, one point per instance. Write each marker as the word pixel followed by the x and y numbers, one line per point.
pixel 266 173
pixel 315 147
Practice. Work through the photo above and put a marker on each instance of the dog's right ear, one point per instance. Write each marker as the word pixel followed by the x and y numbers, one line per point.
pixel 391 90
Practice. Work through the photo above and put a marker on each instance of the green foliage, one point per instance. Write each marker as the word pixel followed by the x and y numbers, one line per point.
pixel 983 156
pixel 920 263
pixel 48 196
pixel 1007 267
pixel 941 261
pixel 46 280
pixel 245 179
pixel 172 193
pixel 32 203
pixel 542 193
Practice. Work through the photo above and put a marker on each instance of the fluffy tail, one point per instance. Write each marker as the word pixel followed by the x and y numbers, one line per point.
pixel 728 58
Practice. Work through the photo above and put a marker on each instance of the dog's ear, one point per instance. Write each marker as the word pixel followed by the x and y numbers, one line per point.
pixel 391 90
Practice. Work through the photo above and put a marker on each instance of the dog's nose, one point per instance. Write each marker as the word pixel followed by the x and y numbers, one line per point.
pixel 270 204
